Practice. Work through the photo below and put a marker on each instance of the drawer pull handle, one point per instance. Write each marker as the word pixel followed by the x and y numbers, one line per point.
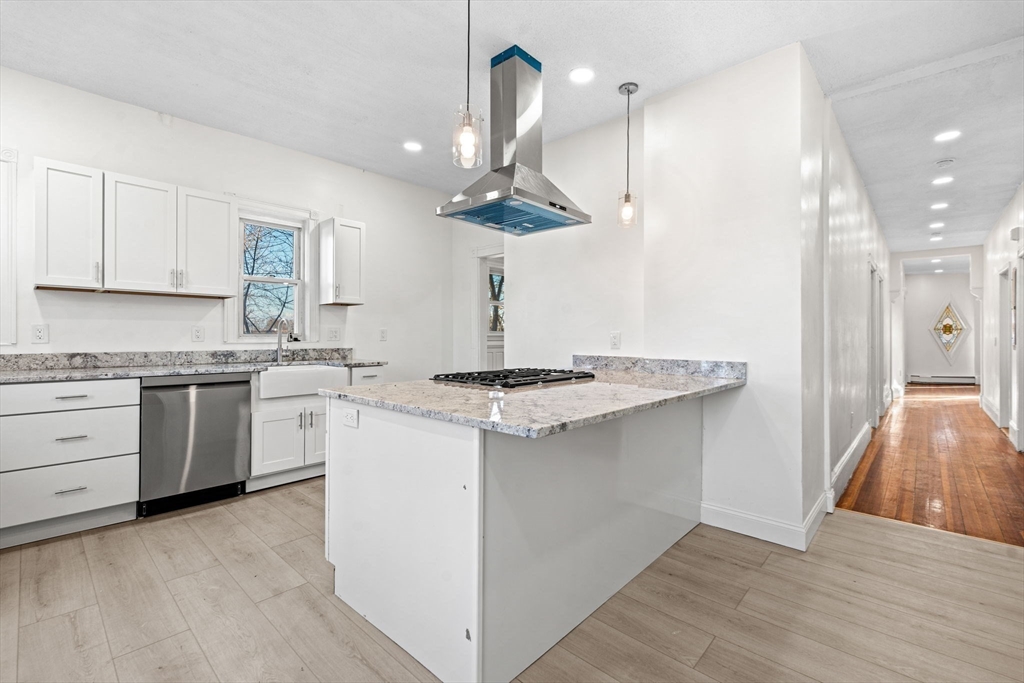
pixel 369 376
pixel 77 488
pixel 72 438
pixel 62 398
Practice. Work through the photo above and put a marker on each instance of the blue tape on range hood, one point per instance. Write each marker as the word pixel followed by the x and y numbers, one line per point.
pixel 518 219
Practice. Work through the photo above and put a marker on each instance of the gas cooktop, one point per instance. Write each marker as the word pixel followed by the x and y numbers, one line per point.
pixel 514 378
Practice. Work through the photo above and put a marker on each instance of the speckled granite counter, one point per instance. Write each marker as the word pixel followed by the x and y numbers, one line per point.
pixel 539 412
pixel 59 367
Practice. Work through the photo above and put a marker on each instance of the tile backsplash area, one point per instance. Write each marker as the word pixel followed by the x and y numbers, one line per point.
pixel 121 359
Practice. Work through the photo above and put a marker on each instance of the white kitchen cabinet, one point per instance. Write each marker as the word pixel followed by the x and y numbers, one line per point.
pixel 289 438
pixel 278 440
pixel 139 235
pixel 69 225
pixel 207 235
pixel 316 432
pixel 362 376
pixel 342 247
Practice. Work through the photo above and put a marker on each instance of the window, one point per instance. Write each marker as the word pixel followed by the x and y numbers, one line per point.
pixel 271 278
pixel 496 301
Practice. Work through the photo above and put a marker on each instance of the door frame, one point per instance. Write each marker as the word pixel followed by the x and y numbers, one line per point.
pixel 479 302
pixel 1004 349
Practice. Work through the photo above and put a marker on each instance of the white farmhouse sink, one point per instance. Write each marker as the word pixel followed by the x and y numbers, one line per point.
pixel 300 380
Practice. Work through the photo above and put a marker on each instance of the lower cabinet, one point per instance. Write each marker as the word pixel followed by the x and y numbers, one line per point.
pixel 59 490
pixel 288 438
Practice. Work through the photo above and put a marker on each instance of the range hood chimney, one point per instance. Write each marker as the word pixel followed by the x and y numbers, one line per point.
pixel 514 196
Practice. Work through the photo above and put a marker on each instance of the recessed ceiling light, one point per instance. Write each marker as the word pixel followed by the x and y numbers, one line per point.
pixel 581 75
pixel 936 260
pixel 943 180
pixel 940 205
pixel 947 136
pixel 412 146
pixel 937 225
pixel 939 270
pixel 936 238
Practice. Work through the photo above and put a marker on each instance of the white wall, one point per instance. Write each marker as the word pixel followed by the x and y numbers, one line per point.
pixel 408 250
pixel 855 240
pixel 568 289
pixel 1000 251
pixel 926 296
pixel 722 257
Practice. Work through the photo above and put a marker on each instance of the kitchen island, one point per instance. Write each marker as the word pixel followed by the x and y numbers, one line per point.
pixel 477 527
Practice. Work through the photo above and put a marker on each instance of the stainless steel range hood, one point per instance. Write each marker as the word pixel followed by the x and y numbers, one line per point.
pixel 514 196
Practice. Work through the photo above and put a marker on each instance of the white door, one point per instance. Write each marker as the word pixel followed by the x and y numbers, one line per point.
pixel 69 225
pixel 207 243
pixel 278 440
pixel 139 235
pixel 316 432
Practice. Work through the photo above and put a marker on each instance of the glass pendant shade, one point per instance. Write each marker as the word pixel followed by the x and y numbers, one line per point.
pixel 628 210
pixel 467 147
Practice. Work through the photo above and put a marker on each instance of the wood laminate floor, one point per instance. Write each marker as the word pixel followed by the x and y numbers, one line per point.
pixel 240 591
pixel 937 460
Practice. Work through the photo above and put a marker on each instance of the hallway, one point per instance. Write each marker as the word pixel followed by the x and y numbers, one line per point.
pixel 937 460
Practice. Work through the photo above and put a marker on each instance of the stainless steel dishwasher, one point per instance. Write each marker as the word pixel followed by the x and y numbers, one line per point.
pixel 195 440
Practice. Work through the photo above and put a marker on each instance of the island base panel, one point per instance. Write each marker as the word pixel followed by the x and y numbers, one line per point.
pixel 477 551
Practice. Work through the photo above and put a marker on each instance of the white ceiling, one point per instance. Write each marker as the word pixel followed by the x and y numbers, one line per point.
pixel 947 264
pixel 351 81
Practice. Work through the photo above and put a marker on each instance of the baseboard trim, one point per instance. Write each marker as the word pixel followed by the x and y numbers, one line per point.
pixel 796 536
pixel 287 477
pixel 69 524
pixel 843 470
pixel 991 410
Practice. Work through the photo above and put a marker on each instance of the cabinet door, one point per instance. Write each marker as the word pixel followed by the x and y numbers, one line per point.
pixel 341 262
pixel 69 225
pixel 139 235
pixel 278 440
pixel 207 243
pixel 316 432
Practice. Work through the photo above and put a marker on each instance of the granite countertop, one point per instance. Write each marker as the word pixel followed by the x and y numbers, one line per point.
pixel 539 412
pixel 28 368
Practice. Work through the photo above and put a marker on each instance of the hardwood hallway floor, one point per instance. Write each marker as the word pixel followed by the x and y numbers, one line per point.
pixel 937 460
pixel 240 591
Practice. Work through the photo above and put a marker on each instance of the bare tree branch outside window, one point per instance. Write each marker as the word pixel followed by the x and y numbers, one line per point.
pixel 496 285
pixel 269 253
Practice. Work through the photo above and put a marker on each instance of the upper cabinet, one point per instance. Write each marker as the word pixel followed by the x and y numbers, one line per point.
pixel 207 243
pixel 99 230
pixel 69 225
pixel 140 235
pixel 342 245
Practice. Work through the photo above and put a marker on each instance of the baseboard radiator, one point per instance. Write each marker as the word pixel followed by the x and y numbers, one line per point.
pixel 943 379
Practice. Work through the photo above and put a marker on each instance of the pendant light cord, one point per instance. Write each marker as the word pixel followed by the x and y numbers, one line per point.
pixel 628 95
pixel 469 26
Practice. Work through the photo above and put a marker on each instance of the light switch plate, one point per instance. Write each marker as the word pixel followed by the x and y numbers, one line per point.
pixel 350 417
pixel 41 334
pixel 198 333
pixel 383 334
pixel 333 334
pixel 616 340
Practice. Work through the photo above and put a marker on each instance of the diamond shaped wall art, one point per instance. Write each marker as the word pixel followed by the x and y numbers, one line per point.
pixel 950 330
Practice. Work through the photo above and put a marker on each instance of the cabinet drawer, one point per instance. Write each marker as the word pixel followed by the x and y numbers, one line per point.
pixel 46 397
pixel 363 376
pixel 69 436
pixel 48 492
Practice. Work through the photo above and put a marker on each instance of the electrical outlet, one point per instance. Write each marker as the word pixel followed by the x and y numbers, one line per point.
pixel 41 334
pixel 616 338
pixel 383 334
pixel 198 333
pixel 350 417
pixel 333 334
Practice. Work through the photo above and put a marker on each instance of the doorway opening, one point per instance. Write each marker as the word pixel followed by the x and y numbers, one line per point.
pixel 1004 345
pixel 494 321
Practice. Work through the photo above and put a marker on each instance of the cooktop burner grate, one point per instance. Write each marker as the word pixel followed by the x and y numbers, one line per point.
pixel 514 378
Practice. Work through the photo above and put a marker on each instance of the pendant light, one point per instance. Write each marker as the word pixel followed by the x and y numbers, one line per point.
pixel 467 150
pixel 628 210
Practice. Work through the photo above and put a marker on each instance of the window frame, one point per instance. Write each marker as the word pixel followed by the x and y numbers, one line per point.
pixel 299 229
pixel 494 269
